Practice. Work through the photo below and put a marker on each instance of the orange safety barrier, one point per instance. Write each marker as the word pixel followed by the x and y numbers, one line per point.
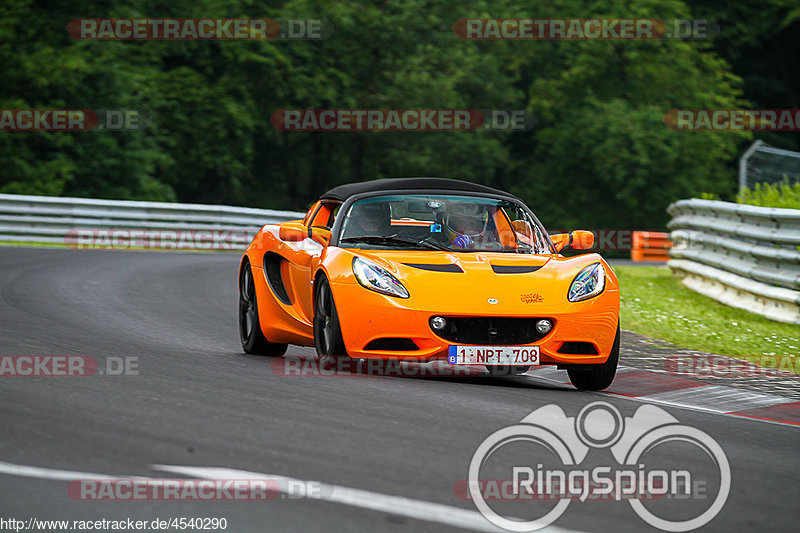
pixel 650 246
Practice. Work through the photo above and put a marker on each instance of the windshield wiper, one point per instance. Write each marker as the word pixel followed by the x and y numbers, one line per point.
pixel 395 239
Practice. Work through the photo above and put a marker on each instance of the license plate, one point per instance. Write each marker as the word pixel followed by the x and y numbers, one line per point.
pixel 493 355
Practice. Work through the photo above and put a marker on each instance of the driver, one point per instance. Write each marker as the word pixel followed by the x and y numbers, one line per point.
pixel 369 219
pixel 466 230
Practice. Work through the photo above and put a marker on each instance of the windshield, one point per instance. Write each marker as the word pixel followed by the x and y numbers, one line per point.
pixel 443 222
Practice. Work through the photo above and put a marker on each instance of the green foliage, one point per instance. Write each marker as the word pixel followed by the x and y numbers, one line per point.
pixel 771 195
pixel 760 39
pixel 600 155
pixel 602 139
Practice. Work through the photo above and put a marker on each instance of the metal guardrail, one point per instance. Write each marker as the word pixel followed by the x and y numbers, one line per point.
pixel 742 255
pixel 745 256
pixel 71 221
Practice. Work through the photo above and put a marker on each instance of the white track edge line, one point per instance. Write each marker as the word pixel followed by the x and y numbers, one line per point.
pixel 645 399
pixel 396 505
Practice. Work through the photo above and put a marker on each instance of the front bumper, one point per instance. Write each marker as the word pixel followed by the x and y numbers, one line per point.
pixel 370 320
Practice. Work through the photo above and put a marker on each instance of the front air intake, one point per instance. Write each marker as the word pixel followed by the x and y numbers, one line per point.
pixel 578 348
pixel 491 331
pixel 391 344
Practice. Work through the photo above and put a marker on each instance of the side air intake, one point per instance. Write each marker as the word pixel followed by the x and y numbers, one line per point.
pixel 272 271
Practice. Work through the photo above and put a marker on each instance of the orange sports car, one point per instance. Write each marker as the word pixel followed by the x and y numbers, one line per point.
pixel 430 269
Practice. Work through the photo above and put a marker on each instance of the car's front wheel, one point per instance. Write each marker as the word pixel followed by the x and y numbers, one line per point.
pixel 250 334
pixel 327 333
pixel 596 377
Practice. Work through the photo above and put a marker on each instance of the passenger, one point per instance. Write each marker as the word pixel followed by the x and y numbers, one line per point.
pixel 369 219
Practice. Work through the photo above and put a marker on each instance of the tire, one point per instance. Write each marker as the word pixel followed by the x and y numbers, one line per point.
pixel 250 334
pixel 507 370
pixel 596 377
pixel 327 332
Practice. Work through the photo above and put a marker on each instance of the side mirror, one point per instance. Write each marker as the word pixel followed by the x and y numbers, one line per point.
pixel 292 232
pixel 582 239
pixel 321 235
pixel 577 240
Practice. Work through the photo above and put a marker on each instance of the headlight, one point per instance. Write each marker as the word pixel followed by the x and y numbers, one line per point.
pixel 377 278
pixel 588 283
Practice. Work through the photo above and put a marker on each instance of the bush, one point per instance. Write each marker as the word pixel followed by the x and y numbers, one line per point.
pixel 772 195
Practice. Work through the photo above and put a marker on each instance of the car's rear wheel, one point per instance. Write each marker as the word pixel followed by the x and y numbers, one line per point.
pixel 250 334
pixel 596 377
pixel 506 370
pixel 327 332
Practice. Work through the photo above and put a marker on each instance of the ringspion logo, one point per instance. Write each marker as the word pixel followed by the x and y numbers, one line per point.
pixel 540 460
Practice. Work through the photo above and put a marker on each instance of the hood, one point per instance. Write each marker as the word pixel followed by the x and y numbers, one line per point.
pixel 457 262
pixel 487 282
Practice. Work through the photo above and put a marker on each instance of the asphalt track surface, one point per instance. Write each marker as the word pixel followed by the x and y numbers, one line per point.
pixel 199 401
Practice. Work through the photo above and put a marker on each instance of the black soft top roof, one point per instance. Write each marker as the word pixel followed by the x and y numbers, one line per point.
pixel 343 192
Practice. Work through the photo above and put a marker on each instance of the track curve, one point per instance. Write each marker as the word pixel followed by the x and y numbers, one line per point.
pixel 198 400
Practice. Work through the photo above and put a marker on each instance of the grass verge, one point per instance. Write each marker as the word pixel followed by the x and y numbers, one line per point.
pixel 655 303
